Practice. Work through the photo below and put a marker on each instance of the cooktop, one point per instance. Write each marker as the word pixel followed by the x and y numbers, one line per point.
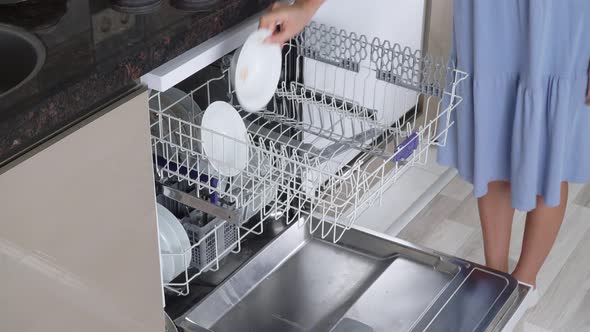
pixel 92 51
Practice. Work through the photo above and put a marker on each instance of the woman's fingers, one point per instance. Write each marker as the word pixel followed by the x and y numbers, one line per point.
pixel 278 37
pixel 270 20
pixel 291 19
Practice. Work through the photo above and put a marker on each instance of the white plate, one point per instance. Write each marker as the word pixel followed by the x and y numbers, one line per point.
pixel 178 243
pixel 182 244
pixel 167 261
pixel 232 67
pixel 257 71
pixel 225 138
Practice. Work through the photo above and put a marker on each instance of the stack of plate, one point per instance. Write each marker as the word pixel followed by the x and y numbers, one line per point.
pixel 175 247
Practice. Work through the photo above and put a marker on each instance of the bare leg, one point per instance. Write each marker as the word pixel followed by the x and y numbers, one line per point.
pixel 542 227
pixel 496 214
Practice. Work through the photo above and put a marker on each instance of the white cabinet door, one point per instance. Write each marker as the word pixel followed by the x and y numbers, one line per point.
pixel 78 234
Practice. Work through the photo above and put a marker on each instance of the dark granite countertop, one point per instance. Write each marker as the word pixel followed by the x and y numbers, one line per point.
pixel 95 53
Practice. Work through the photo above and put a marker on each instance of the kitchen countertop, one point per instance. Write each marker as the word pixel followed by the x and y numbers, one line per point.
pixel 96 53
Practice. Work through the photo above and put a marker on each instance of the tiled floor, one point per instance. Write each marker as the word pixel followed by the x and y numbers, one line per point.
pixel 450 224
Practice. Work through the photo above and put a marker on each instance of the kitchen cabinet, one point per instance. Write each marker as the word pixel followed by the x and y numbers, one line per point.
pixel 78 232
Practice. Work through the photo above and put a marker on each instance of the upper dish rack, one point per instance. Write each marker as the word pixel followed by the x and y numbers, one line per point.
pixel 349 117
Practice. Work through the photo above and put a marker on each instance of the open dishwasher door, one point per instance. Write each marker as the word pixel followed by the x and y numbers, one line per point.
pixel 364 283
pixel 326 152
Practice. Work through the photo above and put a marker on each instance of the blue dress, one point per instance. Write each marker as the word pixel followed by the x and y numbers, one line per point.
pixel 523 117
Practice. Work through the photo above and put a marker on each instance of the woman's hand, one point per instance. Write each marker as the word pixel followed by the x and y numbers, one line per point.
pixel 291 18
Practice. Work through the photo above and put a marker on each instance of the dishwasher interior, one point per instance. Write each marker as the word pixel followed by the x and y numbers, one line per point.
pixel 274 246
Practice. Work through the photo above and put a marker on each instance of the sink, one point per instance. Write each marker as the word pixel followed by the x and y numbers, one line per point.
pixel 23 55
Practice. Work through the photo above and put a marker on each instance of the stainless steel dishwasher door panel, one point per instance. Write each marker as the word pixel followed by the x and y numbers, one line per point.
pixel 399 297
pixel 310 292
pixel 301 283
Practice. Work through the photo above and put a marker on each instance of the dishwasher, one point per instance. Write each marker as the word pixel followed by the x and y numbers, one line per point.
pixel 276 248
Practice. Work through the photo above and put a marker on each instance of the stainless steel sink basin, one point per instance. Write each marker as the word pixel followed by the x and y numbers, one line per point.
pixel 22 56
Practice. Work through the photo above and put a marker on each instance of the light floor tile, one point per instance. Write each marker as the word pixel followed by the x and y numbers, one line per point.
pixel 567 293
pixel 451 224
pixel 583 196
pixel 458 189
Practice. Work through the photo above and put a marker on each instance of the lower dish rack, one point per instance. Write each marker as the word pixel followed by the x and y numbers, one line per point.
pixel 349 117
pixel 215 237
